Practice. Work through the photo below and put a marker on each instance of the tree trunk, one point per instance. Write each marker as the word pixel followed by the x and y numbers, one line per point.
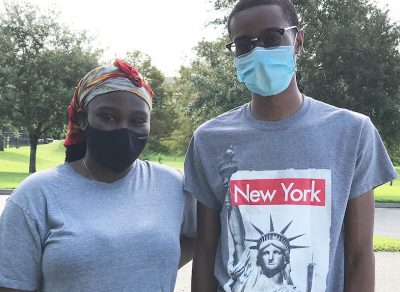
pixel 33 141
pixel 1 143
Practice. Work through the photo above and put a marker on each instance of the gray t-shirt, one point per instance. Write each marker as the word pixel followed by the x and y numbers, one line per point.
pixel 62 232
pixel 282 188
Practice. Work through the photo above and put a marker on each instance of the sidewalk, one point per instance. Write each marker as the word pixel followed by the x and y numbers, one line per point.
pixel 387 269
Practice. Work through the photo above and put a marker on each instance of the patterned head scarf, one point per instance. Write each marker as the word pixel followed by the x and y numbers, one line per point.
pixel 117 77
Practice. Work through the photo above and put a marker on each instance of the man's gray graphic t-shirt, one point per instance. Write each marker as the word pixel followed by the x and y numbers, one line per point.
pixel 282 189
pixel 62 232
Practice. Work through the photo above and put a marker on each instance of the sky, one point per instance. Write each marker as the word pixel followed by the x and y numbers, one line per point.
pixel 166 30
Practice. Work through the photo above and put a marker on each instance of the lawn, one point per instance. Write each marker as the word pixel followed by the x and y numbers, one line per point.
pixel 14 163
pixel 386 244
pixel 387 193
pixel 14 167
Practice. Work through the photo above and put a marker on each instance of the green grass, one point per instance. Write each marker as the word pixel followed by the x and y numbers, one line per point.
pixel 387 193
pixel 386 244
pixel 170 160
pixel 14 165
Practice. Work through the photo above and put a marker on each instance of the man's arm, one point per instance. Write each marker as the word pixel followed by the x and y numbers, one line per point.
pixel 359 253
pixel 208 232
pixel 187 250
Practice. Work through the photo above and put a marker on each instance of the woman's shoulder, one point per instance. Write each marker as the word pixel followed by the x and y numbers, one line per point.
pixel 50 175
pixel 34 186
pixel 161 170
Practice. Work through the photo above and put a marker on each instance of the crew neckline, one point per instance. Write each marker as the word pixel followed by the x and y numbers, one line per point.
pixel 99 183
pixel 276 125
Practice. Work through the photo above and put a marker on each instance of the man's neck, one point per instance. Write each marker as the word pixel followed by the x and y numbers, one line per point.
pixel 277 107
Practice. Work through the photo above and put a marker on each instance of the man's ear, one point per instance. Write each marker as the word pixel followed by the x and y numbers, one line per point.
pixel 299 42
pixel 83 119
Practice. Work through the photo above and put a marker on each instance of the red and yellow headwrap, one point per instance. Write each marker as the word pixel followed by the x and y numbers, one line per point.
pixel 117 77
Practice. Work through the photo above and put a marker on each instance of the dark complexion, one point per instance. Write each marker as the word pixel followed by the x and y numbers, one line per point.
pixel 250 22
pixel 107 112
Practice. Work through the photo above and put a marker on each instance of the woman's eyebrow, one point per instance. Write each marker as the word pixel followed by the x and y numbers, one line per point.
pixel 105 107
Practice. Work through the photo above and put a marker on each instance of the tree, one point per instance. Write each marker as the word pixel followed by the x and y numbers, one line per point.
pixel 210 84
pixel 351 60
pixel 40 63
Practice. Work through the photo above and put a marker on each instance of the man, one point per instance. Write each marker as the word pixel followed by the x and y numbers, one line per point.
pixel 288 157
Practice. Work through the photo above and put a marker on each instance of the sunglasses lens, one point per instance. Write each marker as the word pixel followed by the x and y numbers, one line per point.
pixel 242 46
pixel 271 38
pixel 268 39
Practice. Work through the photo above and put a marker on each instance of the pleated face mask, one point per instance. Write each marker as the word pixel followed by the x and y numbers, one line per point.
pixel 267 72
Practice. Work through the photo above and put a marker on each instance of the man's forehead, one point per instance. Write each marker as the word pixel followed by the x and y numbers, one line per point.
pixel 253 20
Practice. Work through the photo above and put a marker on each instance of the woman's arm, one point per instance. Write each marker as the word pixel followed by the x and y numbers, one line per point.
pixel 359 253
pixel 208 231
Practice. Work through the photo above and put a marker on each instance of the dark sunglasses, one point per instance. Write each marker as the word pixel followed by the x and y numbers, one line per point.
pixel 271 37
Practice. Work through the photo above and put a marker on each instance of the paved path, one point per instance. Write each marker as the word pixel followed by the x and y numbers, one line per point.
pixel 2 202
pixel 386 223
pixel 387 274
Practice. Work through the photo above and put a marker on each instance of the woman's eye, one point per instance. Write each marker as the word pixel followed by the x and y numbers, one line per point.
pixel 138 122
pixel 108 117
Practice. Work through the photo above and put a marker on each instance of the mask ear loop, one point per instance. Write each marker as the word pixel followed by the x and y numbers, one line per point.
pixel 294 44
pixel 294 51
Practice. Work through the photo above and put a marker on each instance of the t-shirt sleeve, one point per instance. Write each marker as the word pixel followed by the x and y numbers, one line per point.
pixel 20 252
pixel 189 222
pixel 373 166
pixel 196 181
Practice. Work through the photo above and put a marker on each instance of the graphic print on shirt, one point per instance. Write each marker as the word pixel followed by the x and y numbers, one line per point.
pixel 278 224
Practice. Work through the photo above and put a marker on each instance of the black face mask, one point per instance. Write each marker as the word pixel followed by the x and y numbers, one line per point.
pixel 115 150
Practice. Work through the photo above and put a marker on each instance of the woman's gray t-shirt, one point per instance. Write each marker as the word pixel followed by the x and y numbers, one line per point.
pixel 62 232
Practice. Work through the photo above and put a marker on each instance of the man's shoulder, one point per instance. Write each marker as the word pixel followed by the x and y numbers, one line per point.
pixel 324 110
pixel 223 121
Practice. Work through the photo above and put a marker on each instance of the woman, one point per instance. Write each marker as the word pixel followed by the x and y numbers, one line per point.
pixel 105 220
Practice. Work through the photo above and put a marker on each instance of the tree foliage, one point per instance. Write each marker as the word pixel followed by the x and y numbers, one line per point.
pixel 351 60
pixel 210 85
pixel 40 63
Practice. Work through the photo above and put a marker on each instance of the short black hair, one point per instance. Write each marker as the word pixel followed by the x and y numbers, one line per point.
pixel 288 9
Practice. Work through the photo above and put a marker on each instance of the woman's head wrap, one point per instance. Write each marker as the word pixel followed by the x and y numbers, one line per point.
pixel 117 77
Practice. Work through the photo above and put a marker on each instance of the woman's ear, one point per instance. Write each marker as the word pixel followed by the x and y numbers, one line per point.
pixel 83 119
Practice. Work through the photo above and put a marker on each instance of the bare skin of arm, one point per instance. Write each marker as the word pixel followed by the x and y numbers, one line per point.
pixel 208 232
pixel 359 254
pixel 187 250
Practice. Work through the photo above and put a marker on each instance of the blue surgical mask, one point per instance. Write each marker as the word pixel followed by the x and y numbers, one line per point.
pixel 266 72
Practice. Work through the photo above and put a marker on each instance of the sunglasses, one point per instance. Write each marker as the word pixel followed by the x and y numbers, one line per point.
pixel 269 38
